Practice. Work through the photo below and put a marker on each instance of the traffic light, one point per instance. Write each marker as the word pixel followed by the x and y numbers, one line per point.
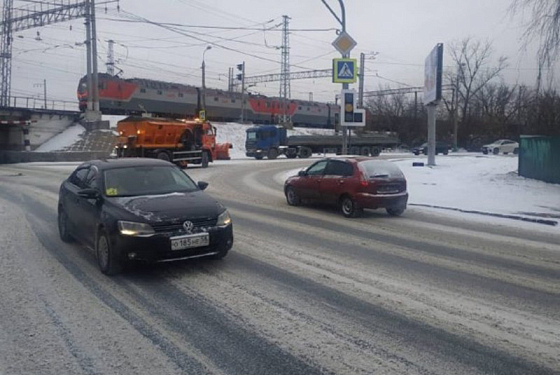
pixel 241 68
pixel 350 115
pixel 348 104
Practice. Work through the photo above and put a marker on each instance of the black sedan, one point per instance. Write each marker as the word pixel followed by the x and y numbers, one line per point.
pixel 141 210
pixel 441 148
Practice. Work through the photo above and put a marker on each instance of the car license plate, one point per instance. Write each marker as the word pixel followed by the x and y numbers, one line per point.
pixel 190 241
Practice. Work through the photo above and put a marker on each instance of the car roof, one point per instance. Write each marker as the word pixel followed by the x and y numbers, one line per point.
pixel 105 164
pixel 350 158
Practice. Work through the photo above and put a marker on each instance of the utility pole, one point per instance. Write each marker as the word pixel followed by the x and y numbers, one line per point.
pixel 285 89
pixel 50 13
pixel 88 61
pixel 6 54
pixel 111 58
pixel 241 77
pixel 45 92
pixel 204 78
pixel 94 66
pixel 362 79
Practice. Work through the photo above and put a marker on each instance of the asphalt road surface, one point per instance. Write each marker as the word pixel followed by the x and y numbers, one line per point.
pixel 304 291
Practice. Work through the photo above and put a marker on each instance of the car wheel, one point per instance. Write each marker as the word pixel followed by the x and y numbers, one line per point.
pixel 272 154
pixel 107 259
pixel 416 153
pixel 496 151
pixel 446 152
pixel 205 160
pixel 395 211
pixel 291 197
pixel 305 152
pixel 375 151
pixel 63 226
pixel 349 207
pixel 164 156
pixel 516 151
pixel 485 152
pixel 258 157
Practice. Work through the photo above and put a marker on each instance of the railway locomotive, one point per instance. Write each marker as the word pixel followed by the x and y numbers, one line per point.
pixel 118 96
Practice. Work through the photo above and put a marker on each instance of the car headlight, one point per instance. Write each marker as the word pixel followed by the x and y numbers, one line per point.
pixel 129 228
pixel 224 219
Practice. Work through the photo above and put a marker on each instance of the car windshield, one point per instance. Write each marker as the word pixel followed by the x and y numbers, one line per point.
pixel 135 181
pixel 251 136
pixel 380 169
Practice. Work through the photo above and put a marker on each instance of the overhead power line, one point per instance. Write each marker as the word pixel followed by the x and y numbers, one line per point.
pixel 291 76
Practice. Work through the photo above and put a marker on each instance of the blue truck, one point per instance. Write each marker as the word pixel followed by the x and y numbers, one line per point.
pixel 272 141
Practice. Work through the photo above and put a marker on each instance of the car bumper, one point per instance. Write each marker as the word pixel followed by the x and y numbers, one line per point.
pixel 374 201
pixel 252 153
pixel 157 248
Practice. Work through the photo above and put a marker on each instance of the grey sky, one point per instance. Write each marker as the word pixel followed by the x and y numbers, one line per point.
pixel 402 32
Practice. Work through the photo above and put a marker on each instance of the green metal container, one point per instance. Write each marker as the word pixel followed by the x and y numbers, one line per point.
pixel 539 158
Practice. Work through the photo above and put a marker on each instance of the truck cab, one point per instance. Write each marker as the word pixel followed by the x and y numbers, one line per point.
pixel 266 140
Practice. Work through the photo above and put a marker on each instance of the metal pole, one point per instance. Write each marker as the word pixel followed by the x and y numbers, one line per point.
pixel 432 134
pixel 203 83
pixel 45 87
pixel 204 77
pixel 362 80
pixel 344 85
pixel 94 58
pixel 455 119
pixel 89 63
pixel 243 94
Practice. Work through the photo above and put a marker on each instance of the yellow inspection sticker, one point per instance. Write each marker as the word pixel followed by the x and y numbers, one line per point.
pixel 111 192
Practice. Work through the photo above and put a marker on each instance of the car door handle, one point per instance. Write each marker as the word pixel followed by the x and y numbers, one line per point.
pixel 340 182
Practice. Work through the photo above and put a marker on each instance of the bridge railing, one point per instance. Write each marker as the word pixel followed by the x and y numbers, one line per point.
pixel 38 103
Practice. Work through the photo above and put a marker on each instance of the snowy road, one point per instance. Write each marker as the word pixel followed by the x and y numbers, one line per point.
pixel 304 291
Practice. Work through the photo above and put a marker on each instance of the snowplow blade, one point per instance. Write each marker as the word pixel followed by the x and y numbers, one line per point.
pixel 222 151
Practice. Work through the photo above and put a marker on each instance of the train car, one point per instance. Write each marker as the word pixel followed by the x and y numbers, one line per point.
pixel 135 96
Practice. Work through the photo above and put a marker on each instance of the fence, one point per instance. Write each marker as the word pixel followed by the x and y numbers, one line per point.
pixel 39 103
pixel 539 158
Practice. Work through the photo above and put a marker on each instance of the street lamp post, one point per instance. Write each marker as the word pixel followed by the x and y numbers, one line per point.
pixel 204 78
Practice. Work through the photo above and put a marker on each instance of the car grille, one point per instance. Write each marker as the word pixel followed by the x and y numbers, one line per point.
pixel 198 225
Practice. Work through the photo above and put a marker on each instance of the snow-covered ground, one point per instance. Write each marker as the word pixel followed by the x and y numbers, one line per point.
pixel 65 139
pixel 481 183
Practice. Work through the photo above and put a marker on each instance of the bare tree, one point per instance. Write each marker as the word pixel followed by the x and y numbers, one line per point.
pixel 544 26
pixel 473 61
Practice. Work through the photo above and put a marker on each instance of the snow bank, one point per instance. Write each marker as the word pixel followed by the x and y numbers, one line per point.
pixel 481 183
pixel 63 140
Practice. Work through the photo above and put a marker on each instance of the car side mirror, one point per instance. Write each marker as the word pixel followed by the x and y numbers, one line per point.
pixel 202 185
pixel 89 194
pixel 302 173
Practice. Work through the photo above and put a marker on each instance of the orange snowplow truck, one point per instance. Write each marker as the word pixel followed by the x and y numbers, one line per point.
pixel 182 142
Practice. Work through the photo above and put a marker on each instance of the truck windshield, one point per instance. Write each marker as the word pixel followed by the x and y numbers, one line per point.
pixel 252 136
pixel 135 181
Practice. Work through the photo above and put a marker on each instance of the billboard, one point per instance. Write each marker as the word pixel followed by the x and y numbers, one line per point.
pixel 433 72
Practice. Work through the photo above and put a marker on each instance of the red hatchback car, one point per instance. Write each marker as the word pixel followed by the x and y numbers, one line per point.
pixel 351 183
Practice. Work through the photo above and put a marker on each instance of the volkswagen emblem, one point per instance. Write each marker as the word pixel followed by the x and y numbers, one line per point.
pixel 188 225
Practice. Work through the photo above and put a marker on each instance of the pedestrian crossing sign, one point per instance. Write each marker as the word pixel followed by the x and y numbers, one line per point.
pixel 345 70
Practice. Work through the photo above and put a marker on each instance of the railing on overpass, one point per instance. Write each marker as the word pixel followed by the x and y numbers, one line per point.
pixel 29 102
